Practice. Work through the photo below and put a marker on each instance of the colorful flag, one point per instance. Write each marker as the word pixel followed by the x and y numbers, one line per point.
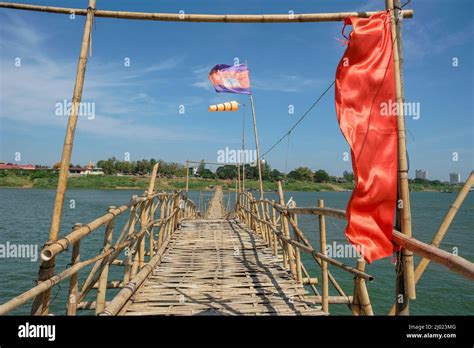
pixel 364 85
pixel 230 78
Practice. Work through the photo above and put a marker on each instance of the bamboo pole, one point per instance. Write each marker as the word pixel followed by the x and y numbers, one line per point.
pixel 453 262
pixel 41 304
pixel 288 254
pixel 209 18
pixel 257 148
pixel 51 250
pixel 273 236
pixel 73 286
pixel 151 184
pixel 355 306
pixel 187 176
pixel 407 273
pixel 102 287
pixel 362 293
pixel 324 264
pixel 243 148
pixel 147 209
pixel 443 228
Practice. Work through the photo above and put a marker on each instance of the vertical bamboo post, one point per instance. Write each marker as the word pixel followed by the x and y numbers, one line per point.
pixel 162 217
pixel 187 176
pixel 274 223
pixel 150 211
pixel 286 232
pixel 102 287
pixel 255 133
pixel 143 227
pixel 324 264
pixel 243 149
pixel 298 263
pixel 73 285
pixel 355 306
pixel 407 270
pixel 127 269
pixel 362 293
pixel 41 302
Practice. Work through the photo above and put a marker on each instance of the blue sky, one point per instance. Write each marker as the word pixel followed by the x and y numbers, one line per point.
pixel 137 107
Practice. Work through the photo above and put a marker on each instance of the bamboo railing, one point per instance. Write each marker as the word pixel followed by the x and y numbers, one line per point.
pixel 272 221
pixel 153 216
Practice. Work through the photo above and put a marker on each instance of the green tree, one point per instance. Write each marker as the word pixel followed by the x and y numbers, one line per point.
pixel 321 176
pixel 301 174
pixel 226 172
pixel 349 176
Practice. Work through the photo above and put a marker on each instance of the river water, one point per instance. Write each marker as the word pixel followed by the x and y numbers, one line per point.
pixel 25 215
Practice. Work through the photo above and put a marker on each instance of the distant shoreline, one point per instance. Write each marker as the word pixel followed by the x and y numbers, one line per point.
pixel 109 182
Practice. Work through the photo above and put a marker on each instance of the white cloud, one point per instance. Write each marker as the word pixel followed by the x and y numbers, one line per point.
pixel 124 107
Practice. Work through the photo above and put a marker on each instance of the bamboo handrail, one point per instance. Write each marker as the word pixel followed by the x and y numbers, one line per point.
pixel 454 262
pixel 310 250
pixel 208 18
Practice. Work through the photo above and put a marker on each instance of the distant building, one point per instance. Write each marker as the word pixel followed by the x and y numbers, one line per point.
pixel 421 174
pixel 454 178
pixel 90 169
pixel 6 166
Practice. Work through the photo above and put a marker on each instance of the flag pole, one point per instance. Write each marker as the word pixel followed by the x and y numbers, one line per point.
pixel 243 149
pixel 259 165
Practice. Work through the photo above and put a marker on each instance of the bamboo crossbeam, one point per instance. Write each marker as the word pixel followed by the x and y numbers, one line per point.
pixel 453 262
pixel 207 18
pixel 332 299
pixel 62 244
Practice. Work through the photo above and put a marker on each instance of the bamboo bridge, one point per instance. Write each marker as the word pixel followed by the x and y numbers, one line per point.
pixel 179 261
pixel 176 260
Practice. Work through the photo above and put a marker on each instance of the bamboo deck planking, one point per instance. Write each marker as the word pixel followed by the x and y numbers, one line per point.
pixel 219 267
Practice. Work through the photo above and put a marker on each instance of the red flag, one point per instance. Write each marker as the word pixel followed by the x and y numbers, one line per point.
pixel 365 88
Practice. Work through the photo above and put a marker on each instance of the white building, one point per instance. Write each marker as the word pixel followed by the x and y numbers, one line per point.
pixel 454 178
pixel 421 174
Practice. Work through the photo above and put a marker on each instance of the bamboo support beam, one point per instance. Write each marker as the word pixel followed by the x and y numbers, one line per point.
pixel 60 245
pixel 208 18
pixel 324 264
pixel 453 262
pixel 362 293
pixel 73 282
pixel 288 254
pixel 41 304
pixel 407 273
pixel 102 287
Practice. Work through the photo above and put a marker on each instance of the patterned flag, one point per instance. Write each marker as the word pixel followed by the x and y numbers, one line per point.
pixel 364 83
pixel 230 78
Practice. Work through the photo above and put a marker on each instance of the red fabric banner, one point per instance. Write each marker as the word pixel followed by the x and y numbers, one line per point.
pixel 365 90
